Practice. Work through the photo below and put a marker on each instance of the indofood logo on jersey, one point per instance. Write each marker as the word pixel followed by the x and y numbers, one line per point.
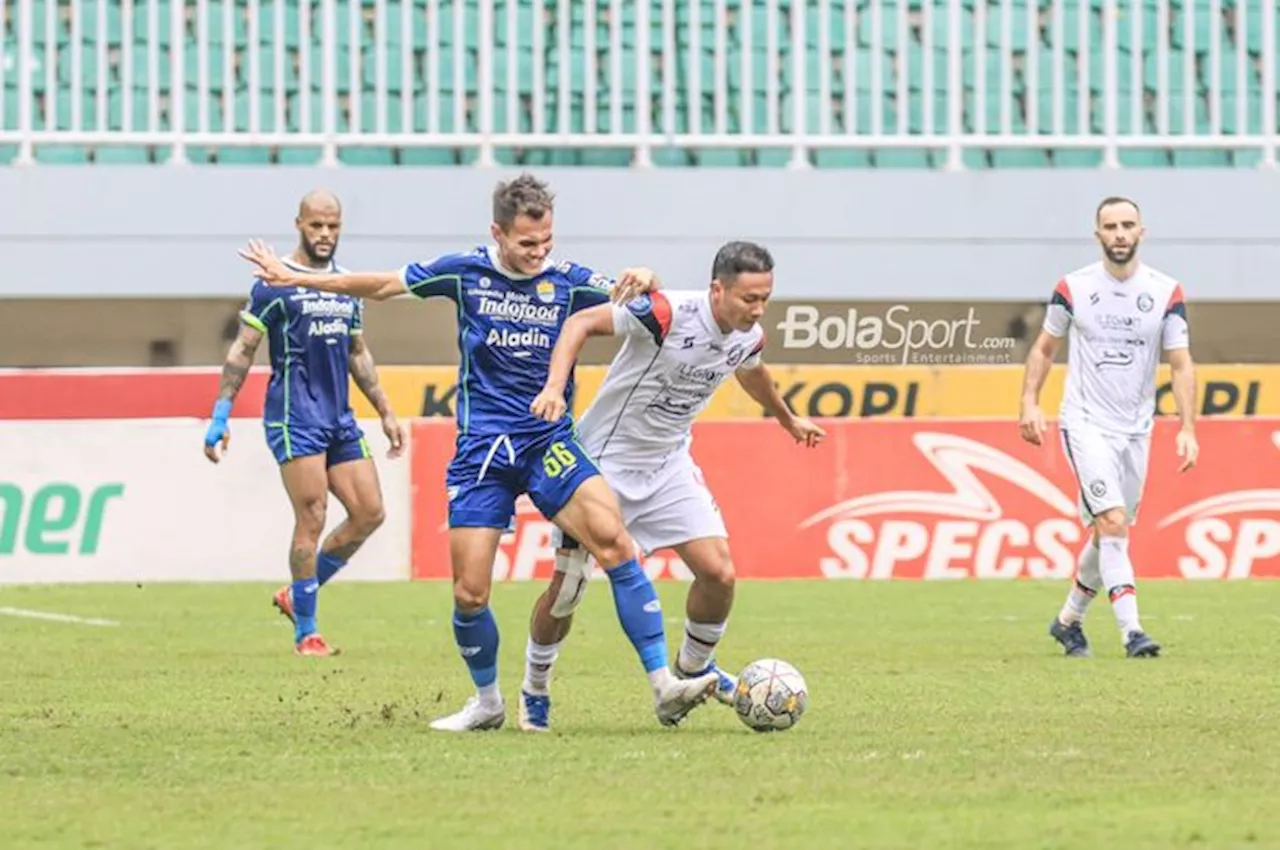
pixel 326 307
pixel 518 307
pixel 338 313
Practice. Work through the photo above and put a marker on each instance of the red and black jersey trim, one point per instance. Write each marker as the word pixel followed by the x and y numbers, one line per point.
pixel 654 312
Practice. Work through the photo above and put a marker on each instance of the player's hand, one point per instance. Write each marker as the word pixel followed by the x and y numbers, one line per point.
pixel 806 432
pixel 1188 449
pixel 219 433
pixel 395 435
pixel 271 270
pixel 1031 425
pixel 633 282
pixel 549 405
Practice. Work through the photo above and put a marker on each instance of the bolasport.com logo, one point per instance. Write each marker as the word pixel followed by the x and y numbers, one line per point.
pixel 895 336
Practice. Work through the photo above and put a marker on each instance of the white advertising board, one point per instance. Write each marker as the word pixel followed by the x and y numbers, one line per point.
pixel 136 500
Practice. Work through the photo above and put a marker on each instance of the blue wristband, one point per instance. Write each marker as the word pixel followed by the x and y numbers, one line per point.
pixel 221 410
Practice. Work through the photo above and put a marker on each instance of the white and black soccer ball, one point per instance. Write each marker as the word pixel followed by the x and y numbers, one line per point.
pixel 771 695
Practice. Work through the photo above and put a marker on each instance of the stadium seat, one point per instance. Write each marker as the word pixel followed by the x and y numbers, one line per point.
pixel 905 98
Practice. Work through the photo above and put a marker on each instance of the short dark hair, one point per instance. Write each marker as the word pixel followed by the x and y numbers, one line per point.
pixel 1111 202
pixel 735 258
pixel 523 195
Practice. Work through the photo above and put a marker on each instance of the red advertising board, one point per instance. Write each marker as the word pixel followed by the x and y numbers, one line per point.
pixel 122 394
pixel 905 499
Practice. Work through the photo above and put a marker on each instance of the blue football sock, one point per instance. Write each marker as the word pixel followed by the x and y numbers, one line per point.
pixel 477 637
pixel 327 567
pixel 304 607
pixel 640 613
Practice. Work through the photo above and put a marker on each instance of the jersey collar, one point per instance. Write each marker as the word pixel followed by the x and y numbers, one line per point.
pixel 333 266
pixel 1138 269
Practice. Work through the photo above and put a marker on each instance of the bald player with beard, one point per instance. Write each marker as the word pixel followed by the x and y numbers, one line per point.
pixel 317 347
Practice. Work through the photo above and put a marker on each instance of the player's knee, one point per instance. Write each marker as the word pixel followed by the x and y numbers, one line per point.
pixel 1112 523
pixel 610 542
pixel 615 549
pixel 370 518
pixel 309 515
pixel 470 595
pixel 717 569
pixel 722 575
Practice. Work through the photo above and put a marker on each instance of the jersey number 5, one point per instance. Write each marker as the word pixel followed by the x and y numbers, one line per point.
pixel 557 459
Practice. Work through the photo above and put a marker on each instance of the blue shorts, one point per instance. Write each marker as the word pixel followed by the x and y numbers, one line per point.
pixel 487 474
pixel 341 442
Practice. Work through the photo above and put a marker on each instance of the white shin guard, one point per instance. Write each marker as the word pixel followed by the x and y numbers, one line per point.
pixel 576 568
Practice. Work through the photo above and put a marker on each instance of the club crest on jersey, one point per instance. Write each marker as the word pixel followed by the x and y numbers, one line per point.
pixel 546 291
pixel 641 305
pixel 735 356
pixel 1146 302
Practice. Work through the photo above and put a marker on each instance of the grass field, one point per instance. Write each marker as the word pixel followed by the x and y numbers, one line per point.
pixel 941 715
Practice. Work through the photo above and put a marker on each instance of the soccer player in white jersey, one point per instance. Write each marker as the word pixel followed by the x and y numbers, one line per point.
pixel 1120 314
pixel 678 348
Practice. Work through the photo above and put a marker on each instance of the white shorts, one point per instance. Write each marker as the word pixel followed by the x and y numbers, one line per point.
pixel 663 508
pixel 1110 468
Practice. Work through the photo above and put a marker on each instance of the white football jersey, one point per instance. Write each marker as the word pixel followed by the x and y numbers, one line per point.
pixel 673 359
pixel 1117 332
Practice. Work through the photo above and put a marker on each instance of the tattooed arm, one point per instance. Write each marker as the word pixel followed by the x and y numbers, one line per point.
pixel 239 361
pixel 234 371
pixel 365 374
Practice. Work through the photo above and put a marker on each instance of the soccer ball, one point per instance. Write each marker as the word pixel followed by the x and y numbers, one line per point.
pixel 771 695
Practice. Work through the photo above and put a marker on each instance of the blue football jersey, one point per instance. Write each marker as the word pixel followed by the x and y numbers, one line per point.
pixel 309 338
pixel 507 326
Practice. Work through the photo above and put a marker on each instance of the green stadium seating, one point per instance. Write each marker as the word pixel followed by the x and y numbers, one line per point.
pixel 457 83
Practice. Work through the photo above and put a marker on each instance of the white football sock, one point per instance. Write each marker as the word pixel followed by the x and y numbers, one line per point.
pixel 700 640
pixel 1084 588
pixel 661 679
pixel 538 660
pixel 1117 578
pixel 490 696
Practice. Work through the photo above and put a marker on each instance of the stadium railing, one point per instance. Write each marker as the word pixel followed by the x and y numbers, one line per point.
pixel 826 83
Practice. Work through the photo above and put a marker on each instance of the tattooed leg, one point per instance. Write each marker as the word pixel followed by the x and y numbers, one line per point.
pixel 306 481
pixel 355 484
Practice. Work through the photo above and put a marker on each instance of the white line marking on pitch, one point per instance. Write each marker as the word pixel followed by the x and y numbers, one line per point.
pixel 57 618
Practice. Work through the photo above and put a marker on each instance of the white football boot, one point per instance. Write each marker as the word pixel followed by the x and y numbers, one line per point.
pixel 474 716
pixel 683 696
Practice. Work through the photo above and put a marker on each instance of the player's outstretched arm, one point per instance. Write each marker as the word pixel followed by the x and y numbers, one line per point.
pixel 365 374
pixel 1182 375
pixel 759 384
pixel 234 371
pixel 1039 361
pixel 595 321
pixel 377 286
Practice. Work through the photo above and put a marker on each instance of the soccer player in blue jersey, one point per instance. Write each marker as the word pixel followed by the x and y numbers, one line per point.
pixel 512 300
pixel 317 346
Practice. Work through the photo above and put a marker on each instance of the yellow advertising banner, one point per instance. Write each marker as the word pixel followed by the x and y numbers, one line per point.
pixel 869 391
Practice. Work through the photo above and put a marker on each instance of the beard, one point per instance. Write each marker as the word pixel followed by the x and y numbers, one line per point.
pixel 1121 255
pixel 314 255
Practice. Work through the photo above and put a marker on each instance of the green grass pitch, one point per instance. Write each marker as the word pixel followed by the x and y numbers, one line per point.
pixel 940 716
